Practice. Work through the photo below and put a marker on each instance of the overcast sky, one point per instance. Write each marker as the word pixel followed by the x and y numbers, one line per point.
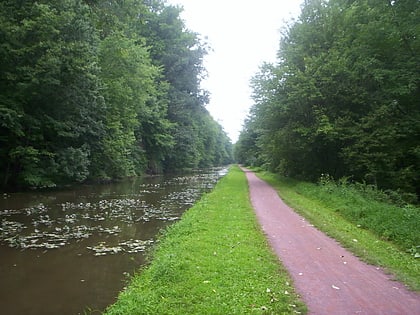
pixel 242 34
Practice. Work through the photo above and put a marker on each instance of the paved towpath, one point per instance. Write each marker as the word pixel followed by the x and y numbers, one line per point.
pixel 329 278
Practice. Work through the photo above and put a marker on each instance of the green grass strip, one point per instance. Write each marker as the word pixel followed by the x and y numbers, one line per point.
pixel 327 215
pixel 215 260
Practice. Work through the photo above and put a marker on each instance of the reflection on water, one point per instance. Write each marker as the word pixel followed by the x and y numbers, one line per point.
pixel 65 252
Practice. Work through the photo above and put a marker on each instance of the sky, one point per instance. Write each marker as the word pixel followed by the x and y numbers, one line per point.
pixel 242 34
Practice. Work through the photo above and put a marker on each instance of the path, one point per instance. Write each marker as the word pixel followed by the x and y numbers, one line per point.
pixel 329 278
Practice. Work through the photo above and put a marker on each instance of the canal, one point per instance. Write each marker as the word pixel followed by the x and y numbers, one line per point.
pixel 72 251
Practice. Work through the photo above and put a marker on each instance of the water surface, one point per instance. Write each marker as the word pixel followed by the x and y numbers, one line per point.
pixel 65 252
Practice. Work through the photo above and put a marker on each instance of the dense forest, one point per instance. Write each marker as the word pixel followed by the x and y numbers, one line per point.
pixel 343 98
pixel 99 90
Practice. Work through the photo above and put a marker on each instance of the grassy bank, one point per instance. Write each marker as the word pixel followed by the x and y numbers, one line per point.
pixel 214 261
pixel 379 233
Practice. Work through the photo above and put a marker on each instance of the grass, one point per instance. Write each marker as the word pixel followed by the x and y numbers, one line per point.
pixel 379 233
pixel 215 260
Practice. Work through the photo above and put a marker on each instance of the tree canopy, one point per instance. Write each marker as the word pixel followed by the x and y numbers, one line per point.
pixel 344 96
pixel 98 90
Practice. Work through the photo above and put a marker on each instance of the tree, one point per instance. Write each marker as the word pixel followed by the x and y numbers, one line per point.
pixel 50 101
pixel 343 98
pixel 180 52
pixel 100 90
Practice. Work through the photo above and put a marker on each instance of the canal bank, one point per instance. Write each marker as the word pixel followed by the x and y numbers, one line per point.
pixel 64 252
pixel 215 260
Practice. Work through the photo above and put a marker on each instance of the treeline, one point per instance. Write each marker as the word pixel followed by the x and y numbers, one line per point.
pixel 101 90
pixel 343 98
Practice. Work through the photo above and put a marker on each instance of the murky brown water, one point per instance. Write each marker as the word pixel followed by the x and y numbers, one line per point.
pixel 67 252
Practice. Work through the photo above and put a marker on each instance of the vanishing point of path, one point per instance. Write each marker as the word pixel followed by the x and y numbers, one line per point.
pixel 330 279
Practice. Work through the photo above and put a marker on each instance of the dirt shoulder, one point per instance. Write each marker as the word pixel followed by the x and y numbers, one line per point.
pixel 330 279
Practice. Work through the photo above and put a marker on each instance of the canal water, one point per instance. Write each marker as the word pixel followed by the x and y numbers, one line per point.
pixel 72 251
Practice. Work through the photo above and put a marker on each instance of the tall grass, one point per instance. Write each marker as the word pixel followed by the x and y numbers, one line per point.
pixel 214 261
pixel 372 209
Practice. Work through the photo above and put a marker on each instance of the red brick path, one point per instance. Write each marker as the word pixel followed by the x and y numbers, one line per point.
pixel 329 278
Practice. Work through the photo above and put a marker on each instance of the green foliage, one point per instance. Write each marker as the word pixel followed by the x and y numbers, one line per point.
pixel 73 164
pixel 198 140
pixel 100 90
pixel 33 164
pixel 128 77
pixel 245 149
pixel 344 96
pixel 373 209
pixel 49 89
pixel 214 261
